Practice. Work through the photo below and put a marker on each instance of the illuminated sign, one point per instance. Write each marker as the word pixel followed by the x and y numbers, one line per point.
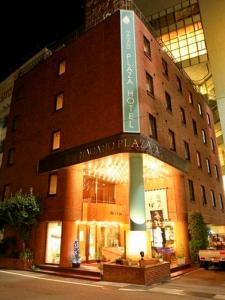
pixel 129 73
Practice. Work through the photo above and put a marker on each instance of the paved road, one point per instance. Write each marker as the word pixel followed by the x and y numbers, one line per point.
pixel 22 285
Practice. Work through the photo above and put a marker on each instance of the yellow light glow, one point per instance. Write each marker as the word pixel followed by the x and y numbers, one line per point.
pixel 136 242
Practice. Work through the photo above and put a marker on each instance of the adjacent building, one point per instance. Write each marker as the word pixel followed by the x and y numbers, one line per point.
pixel 116 142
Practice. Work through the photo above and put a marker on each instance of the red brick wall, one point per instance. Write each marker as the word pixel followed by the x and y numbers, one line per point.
pixel 92 107
pixel 165 120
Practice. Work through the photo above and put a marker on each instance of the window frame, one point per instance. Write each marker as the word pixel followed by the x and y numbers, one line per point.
pixel 53 140
pixel 11 157
pixel 187 155
pixel 61 72
pixel 152 127
pixel 165 68
pixel 191 190
pixel 213 198
pixel 51 175
pixel 149 84
pixel 179 84
pixel 198 159
pixel 203 195
pixel 172 140
pixel 169 107
pixel 147 45
pixel 56 101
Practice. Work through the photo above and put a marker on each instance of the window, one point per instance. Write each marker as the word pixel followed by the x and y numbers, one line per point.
pixel 183 117
pixel 5 121
pixel 186 151
pixel 56 140
pixel 179 85
pixel 213 198
pixel 6 192
pixel 147 48
pixel 204 137
pixel 172 143
pixel 200 109
pixel 15 123
pixel 2 146
pixel 52 184
pixel 11 157
pixel 59 101
pixel 221 201
pixel 152 127
pixel 208 119
pixel 62 67
pixel 195 129
pixel 208 166
pixel 216 171
pixel 168 102
pixel 203 195
pixel 198 158
pixel 212 144
pixel 190 98
pixel 191 190
pixel 149 84
pixel 165 67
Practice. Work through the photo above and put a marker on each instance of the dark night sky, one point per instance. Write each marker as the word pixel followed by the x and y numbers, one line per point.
pixel 26 29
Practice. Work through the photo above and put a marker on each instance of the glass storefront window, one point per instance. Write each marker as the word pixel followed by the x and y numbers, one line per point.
pixel 53 243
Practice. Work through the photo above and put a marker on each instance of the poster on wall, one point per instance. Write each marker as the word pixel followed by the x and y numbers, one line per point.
pixel 155 208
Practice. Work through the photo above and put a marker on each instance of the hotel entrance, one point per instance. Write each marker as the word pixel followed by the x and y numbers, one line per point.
pixel 106 207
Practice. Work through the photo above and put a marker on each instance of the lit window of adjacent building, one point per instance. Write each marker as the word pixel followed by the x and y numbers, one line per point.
pixel 195 129
pixel 208 119
pixel 149 84
pixel 183 117
pixel 62 67
pixel 216 171
pixel 165 67
pixel 52 184
pixel 186 151
pixel 221 202
pixel 56 139
pixel 208 166
pixel 203 195
pixel 200 109
pixel 172 144
pixel 15 123
pixel 204 137
pixel 213 198
pixel 168 102
pixel 179 85
pixel 59 101
pixel 190 98
pixel 6 192
pixel 212 144
pixel 198 158
pixel 147 48
pixel 152 127
pixel 11 157
pixel 191 190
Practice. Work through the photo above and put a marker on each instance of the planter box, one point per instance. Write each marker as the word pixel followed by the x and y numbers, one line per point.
pixel 12 263
pixel 145 275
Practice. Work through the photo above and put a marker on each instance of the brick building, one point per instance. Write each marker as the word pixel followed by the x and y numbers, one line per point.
pixel 115 141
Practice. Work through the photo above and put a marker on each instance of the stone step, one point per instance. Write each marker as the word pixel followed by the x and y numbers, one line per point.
pixel 70 272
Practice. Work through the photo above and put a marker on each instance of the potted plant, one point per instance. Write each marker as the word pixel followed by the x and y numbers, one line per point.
pixel 76 255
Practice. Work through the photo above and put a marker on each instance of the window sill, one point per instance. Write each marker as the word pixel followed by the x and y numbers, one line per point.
pixel 150 94
pixel 148 55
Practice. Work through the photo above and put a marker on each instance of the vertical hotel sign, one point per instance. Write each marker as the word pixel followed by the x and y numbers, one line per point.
pixel 129 73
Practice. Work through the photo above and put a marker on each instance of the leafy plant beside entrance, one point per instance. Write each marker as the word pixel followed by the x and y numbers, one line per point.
pixel 20 212
pixel 199 232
